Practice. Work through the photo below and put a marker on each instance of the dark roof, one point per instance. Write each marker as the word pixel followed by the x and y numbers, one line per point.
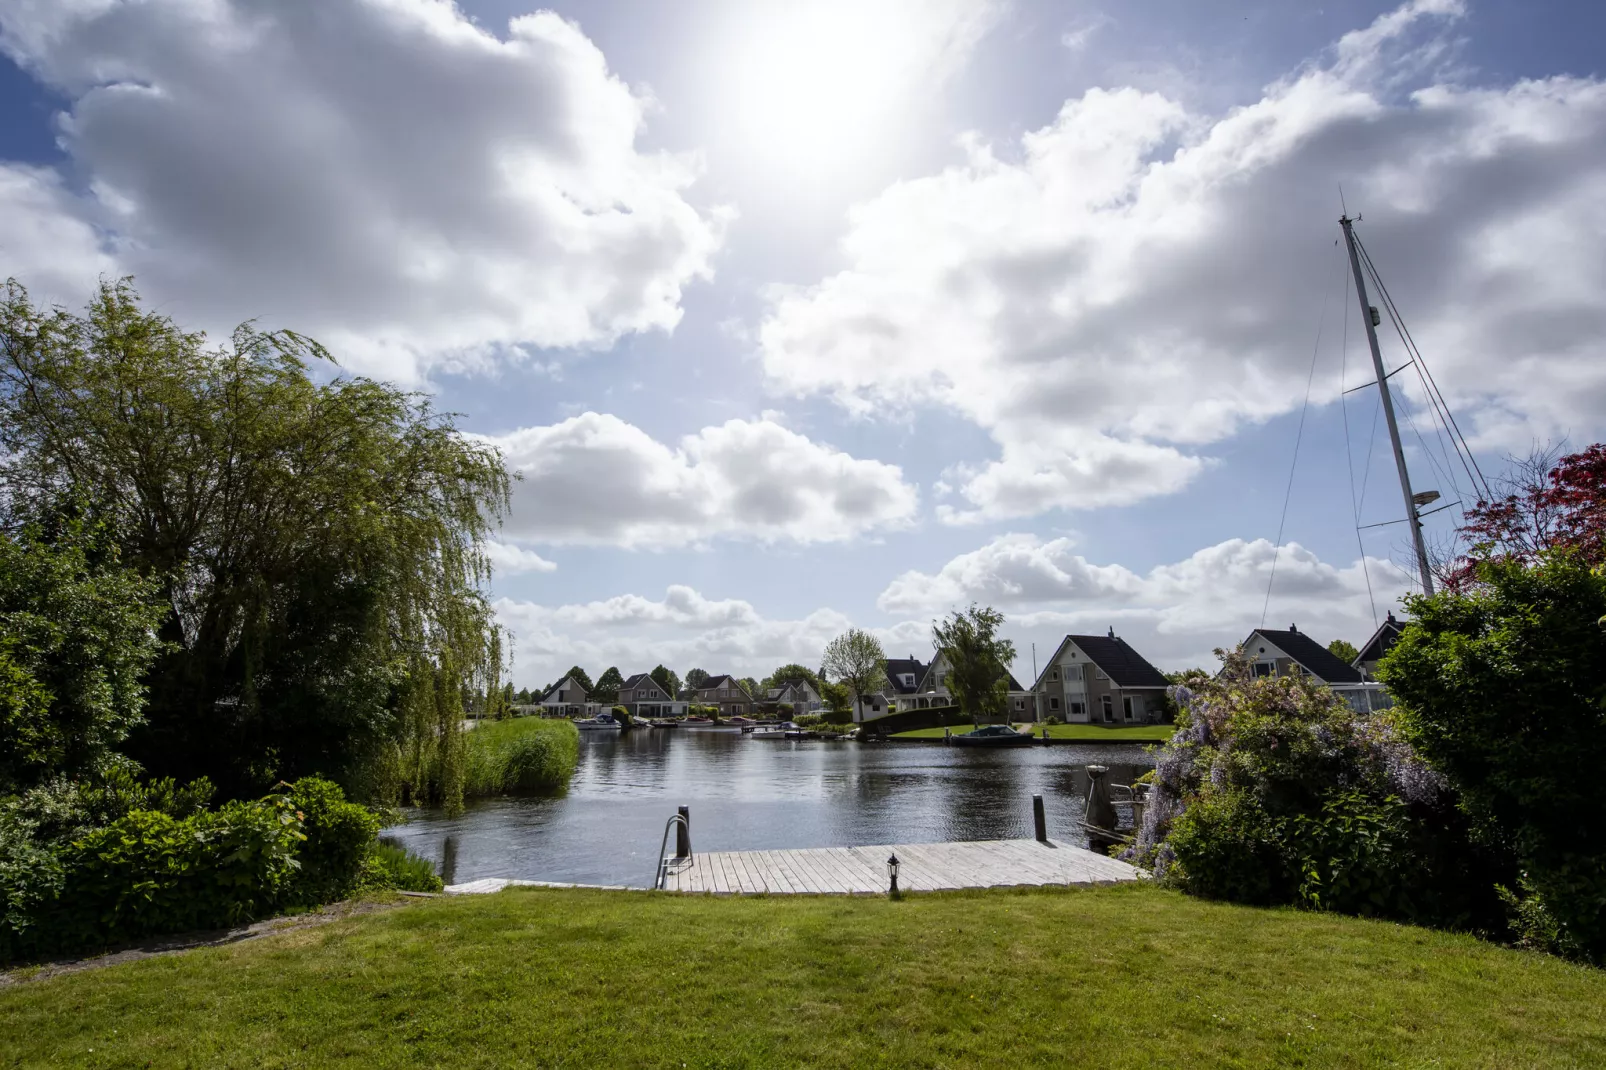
pixel 1317 659
pixel 1014 684
pixel 1123 665
pixel 720 681
pixel 1381 640
pixel 897 667
pixel 639 679
pixel 553 690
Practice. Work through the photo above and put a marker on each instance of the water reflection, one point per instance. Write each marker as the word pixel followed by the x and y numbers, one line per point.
pixel 753 794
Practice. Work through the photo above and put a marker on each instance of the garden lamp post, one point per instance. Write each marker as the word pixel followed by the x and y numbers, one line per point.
pixel 892 875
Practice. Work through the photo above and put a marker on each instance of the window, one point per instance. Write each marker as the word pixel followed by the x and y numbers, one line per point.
pixel 1101 674
pixel 1020 704
pixel 1077 709
pixel 908 679
pixel 1264 668
pixel 1054 674
pixel 1073 672
pixel 1109 709
pixel 1053 703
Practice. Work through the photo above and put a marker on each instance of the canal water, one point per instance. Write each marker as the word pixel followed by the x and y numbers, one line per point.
pixel 758 794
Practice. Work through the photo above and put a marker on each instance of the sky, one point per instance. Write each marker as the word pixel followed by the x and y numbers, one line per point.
pixel 794 318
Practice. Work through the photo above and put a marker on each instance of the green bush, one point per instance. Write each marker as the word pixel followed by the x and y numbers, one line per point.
pixel 339 837
pixel 149 873
pixel 1502 688
pixel 526 754
pixel 393 866
pixel 1274 791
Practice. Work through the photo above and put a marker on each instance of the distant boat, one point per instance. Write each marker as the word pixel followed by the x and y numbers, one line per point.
pixel 695 722
pixel 993 735
pixel 602 722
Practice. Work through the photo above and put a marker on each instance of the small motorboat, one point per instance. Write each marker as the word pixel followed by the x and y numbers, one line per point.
pixel 993 735
pixel 602 722
pixel 696 722
pixel 664 722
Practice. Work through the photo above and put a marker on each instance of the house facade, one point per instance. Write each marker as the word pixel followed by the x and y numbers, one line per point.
pixel 725 692
pixel 933 691
pixel 1100 679
pixel 567 698
pixel 1381 643
pixel 903 683
pixel 1293 653
pixel 799 694
pixel 642 696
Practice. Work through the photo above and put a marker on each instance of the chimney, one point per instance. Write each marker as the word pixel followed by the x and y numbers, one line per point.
pixel 1112 631
pixel 1294 628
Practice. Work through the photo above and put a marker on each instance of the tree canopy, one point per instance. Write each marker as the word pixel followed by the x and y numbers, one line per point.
pixel 666 679
pixel 1343 650
pixel 856 660
pixel 607 689
pixel 696 678
pixel 791 674
pixel 580 677
pixel 978 661
pixel 317 548
pixel 1545 503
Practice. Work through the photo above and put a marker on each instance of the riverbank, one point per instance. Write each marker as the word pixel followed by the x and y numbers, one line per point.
pixel 1082 733
pixel 1118 977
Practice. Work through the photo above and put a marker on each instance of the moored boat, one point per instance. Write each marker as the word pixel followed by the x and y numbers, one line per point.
pixel 993 735
pixel 602 722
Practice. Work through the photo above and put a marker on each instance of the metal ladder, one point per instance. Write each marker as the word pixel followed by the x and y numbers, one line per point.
pixel 683 819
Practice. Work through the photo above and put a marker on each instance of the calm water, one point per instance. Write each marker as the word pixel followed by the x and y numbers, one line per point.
pixel 754 794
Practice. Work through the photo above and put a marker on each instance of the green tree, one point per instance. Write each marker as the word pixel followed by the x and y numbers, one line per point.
pixel 1502 688
pixel 750 685
pixel 857 662
pixel 1343 650
pixel 607 689
pixel 580 677
pixel 77 633
pixel 318 546
pixel 791 674
pixel 978 661
pixel 666 679
pixel 696 678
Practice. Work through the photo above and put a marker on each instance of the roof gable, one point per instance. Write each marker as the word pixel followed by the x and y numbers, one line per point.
pixel 640 680
pixel 1123 665
pixel 566 684
pixel 1311 655
pixel 1381 641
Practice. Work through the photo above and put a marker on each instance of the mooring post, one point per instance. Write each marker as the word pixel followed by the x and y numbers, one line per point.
pixel 1038 822
pixel 683 833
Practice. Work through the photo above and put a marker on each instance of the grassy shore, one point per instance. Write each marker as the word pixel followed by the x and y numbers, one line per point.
pixel 1115 977
pixel 520 754
pixel 1149 733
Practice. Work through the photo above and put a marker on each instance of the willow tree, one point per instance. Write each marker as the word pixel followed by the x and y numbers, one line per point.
pixel 978 660
pixel 318 546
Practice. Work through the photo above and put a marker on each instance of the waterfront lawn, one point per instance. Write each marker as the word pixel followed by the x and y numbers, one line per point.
pixel 1118 977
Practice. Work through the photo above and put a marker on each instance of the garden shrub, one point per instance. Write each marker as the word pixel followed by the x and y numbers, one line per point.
pixel 393 866
pixel 527 754
pixel 339 838
pixel 1273 791
pixel 1502 687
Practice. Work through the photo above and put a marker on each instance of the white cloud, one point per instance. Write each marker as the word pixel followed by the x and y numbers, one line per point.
pixel 1174 614
pixel 683 631
pixel 597 479
pixel 42 244
pixel 388 177
pixel 511 560
pixel 1136 281
pixel 1077 37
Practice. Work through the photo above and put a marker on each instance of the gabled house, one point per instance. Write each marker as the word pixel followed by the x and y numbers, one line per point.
pixel 645 697
pixel 1100 679
pixel 1293 653
pixel 799 694
pixel 933 691
pixel 726 692
pixel 567 698
pixel 1381 643
pixel 903 682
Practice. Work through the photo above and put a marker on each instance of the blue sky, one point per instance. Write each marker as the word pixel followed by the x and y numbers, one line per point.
pixel 798 317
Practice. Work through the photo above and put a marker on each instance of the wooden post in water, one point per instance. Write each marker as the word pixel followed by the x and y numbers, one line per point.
pixel 1039 823
pixel 683 833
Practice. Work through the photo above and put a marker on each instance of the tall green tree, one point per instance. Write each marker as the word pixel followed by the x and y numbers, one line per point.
pixel 666 679
pixel 857 662
pixel 607 689
pixel 580 677
pixel 978 660
pixel 791 674
pixel 1501 686
pixel 77 634
pixel 318 547
pixel 1343 650
pixel 696 678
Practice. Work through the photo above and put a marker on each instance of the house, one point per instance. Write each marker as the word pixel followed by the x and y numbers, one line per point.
pixel 726 692
pixel 567 698
pixel 799 694
pixel 1293 653
pixel 643 696
pixel 903 682
pixel 1100 679
pixel 933 691
pixel 1381 643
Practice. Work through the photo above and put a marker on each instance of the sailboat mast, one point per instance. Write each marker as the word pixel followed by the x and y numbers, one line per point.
pixel 1388 410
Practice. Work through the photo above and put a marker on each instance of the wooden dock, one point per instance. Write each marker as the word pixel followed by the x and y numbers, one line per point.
pixel 923 867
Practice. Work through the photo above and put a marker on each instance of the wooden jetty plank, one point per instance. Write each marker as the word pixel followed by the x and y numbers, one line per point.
pixel 817 880
pixel 937 867
pixel 728 879
pixel 715 879
pixel 1023 857
pixel 769 872
pixel 859 871
pixel 788 875
pixel 840 877
pixel 756 877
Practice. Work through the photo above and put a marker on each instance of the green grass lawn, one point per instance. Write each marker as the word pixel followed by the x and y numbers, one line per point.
pixel 1149 733
pixel 1111 977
